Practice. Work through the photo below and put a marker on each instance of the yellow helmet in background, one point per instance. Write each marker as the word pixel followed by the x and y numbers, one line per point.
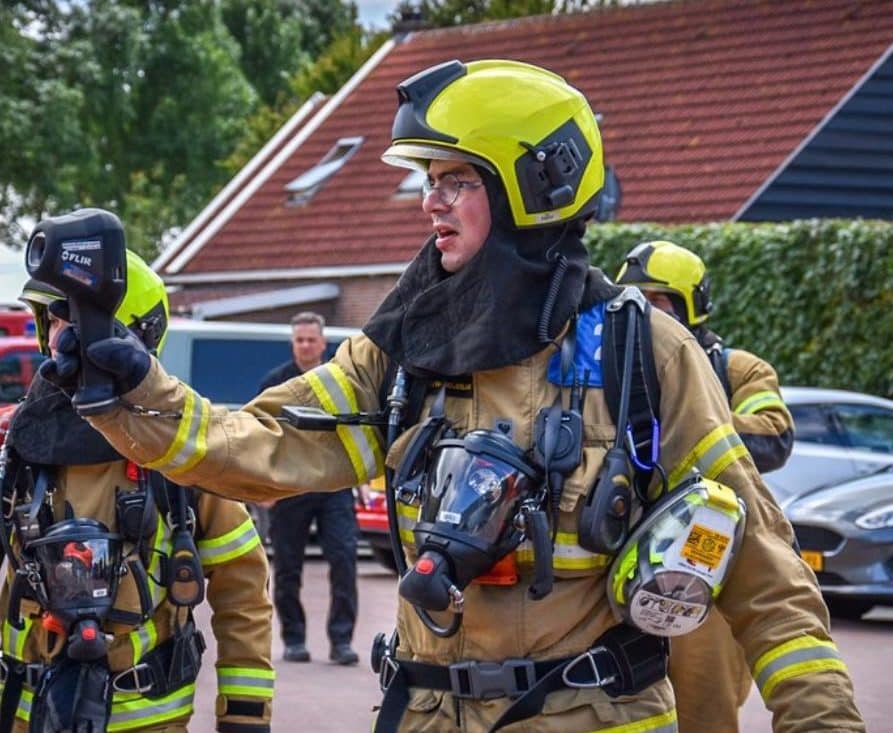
pixel 144 309
pixel 522 123
pixel 668 268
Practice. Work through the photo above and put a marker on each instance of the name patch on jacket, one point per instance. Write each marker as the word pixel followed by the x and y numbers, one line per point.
pixel 457 387
pixel 588 352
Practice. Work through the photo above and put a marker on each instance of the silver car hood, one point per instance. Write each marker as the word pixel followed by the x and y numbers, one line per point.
pixel 846 501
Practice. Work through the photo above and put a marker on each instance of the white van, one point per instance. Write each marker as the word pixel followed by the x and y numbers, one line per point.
pixel 226 361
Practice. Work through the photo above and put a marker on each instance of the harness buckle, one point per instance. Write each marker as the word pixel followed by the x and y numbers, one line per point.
pixel 598 680
pixel 474 680
pixel 136 673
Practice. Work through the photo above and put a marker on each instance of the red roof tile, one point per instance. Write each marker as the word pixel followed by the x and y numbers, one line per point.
pixel 701 102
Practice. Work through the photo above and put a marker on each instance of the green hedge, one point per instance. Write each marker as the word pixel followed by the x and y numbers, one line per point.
pixel 812 297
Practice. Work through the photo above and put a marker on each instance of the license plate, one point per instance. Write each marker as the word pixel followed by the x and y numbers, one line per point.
pixel 814 559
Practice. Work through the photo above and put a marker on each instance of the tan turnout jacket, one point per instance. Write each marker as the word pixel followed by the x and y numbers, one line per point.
pixel 235 566
pixel 771 599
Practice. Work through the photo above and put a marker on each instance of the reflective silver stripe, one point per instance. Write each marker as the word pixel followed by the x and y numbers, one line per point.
pixel 143 639
pixel 161 546
pixel 245 681
pixel 26 700
pixel 14 639
pixel 190 442
pixel 330 386
pixel 234 543
pixel 760 401
pixel 141 711
pixel 805 655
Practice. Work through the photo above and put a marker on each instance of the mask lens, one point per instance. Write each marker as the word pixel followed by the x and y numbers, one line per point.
pixel 474 492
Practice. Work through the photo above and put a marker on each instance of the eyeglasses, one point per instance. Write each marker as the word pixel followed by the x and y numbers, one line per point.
pixel 448 188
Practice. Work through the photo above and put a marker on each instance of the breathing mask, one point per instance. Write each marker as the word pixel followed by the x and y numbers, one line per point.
pixel 479 496
pixel 675 562
pixel 79 563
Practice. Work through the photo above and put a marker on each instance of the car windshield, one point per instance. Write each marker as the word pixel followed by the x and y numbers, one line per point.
pixel 867 427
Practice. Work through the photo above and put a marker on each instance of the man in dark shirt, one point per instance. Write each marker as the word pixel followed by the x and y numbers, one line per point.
pixel 336 529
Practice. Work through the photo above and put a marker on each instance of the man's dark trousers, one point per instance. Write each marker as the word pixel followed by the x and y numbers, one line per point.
pixel 336 528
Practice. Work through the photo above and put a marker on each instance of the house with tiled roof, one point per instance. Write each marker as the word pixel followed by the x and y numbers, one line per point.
pixel 710 110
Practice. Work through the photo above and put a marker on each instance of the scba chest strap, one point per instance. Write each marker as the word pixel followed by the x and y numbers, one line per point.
pixel 622 661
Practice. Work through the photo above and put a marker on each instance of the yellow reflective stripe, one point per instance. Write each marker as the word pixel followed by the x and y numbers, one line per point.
pixel 332 388
pixel 245 681
pixel 161 548
pixel 713 453
pixel 190 443
pixel 14 639
pixel 234 543
pixel 407 516
pixel 130 712
pixel 26 700
pixel 804 655
pixel 567 554
pixel 663 723
pixel 143 639
pixel 766 400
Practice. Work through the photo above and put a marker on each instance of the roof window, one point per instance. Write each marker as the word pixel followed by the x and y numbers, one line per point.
pixel 411 186
pixel 303 188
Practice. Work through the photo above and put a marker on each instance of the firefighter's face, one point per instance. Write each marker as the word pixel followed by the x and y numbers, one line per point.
pixel 460 225
pixel 55 326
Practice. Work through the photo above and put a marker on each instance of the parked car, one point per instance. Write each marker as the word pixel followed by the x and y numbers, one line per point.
pixel 16 322
pixel 845 533
pixel 19 359
pixel 838 436
pixel 225 361
pixel 372 518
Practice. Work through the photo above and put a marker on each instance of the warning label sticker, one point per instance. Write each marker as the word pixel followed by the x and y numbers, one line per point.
pixel 705 546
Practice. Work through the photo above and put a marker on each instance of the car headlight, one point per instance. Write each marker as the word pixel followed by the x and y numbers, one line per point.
pixel 877 518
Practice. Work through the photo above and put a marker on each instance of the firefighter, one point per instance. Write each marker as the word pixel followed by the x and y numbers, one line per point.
pixel 79 505
pixel 675 280
pixel 499 319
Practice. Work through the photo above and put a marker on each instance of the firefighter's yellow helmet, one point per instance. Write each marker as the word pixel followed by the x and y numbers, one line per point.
pixel 522 123
pixel 144 309
pixel 668 268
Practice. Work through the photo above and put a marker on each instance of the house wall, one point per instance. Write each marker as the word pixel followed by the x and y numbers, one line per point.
pixel 359 298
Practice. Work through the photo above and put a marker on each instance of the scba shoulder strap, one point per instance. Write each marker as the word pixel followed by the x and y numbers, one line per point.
pixel 643 417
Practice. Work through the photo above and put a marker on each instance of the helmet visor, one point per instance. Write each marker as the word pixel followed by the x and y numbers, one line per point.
pixel 417 156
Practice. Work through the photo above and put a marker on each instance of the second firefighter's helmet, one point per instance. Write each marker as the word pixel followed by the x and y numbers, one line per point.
pixel 522 123
pixel 144 309
pixel 668 268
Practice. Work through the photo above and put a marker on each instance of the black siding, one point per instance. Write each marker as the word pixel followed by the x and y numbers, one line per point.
pixel 846 169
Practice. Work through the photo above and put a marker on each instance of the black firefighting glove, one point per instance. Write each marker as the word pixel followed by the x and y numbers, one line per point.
pixel 123 356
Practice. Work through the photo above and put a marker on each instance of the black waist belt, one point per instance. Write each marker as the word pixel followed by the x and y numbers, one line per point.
pixel 623 661
pixel 169 666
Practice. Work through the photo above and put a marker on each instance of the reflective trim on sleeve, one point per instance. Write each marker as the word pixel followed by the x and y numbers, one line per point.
pixel 14 639
pixel 407 517
pixel 143 639
pixel 130 710
pixel 247 681
pixel 233 544
pixel 336 395
pixel 804 655
pixel 190 443
pixel 766 400
pixel 715 452
pixel 567 554
pixel 663 723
